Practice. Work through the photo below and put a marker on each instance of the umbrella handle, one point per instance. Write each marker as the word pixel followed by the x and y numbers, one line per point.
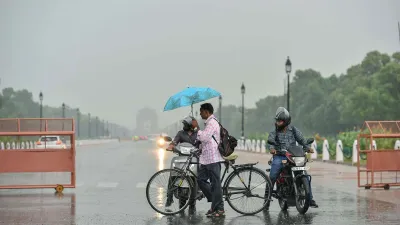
pixel 191 109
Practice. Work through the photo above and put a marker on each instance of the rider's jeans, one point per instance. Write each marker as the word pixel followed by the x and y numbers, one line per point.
pixel 192 201
pixel 276 168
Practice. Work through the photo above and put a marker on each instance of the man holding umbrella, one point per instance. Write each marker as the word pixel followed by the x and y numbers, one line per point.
pixel 210 159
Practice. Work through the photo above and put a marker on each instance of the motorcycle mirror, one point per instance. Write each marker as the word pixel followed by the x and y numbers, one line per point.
pixel 166 138
pixel 272 142
pixel 310 141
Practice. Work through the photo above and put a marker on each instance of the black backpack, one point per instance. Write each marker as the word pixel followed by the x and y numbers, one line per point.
pixel 228 142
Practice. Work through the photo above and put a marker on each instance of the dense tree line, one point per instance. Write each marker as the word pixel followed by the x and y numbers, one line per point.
pixel 20 104
pixel 369 90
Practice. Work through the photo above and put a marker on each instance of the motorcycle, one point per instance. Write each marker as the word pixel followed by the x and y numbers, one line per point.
pixel 293 184
pixel 183 151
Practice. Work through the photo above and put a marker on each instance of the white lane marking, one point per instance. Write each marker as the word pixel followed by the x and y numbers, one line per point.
pixel 144 185
pixel 107 184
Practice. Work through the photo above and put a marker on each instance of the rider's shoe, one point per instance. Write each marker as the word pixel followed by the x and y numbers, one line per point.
pixel 200 196
pixel 313 204
pixel 169 202
pixel 266 208
pixel 192 209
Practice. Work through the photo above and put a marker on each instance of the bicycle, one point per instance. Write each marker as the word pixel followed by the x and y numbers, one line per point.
pixel 182 175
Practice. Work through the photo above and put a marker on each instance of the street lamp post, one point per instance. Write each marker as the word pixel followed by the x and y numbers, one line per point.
pixel 63 110
pixel 41 109
pixel 220 109
pixel 89 127
pixel 288 66
pixel 97 126
pixel 108 129
pixel 63 115
pixel 78 120
pixel 243 90
pixel 103 128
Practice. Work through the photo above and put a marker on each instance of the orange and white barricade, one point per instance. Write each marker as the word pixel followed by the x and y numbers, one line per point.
pixel 51 149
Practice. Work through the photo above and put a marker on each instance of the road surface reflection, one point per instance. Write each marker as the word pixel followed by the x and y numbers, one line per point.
pixel 38 208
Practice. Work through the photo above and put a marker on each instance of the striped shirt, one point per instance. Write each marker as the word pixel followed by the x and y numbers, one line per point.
pixel 209 146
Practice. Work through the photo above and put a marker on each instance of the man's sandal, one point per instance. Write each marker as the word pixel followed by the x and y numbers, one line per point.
pixel 218 213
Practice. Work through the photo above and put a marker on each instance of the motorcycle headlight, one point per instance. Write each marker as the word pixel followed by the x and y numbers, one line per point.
pixel 161 141
pixel 185 150
pixel 299 161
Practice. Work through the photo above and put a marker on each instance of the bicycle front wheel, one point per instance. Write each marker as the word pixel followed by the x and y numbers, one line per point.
pixel 165 200
pixel 248 190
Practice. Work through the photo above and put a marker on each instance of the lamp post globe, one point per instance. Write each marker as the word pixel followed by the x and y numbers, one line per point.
pixel 288 65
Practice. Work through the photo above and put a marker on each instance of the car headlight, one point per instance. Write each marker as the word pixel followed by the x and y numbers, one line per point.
pixel 299 161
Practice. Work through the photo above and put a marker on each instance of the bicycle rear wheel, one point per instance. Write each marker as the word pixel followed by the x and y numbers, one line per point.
pixel 179 187
pixel 240 186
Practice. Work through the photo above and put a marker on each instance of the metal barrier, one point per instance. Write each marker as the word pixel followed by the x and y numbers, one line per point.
pixel 38 160
pixel 378 160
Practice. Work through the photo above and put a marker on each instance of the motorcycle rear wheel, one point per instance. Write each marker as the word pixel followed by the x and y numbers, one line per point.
pixel 304 188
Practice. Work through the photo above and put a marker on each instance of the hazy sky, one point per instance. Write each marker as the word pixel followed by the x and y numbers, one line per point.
pixel 112 58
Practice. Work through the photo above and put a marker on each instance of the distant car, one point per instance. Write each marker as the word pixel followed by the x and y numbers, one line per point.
pixel 50 142
pixel 153 137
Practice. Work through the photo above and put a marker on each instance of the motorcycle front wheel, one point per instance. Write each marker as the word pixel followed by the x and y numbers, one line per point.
pixel 304 196
pixel 282 203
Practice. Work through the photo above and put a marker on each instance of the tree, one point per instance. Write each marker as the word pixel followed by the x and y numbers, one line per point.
pixel 326 105
pixel 369 90
pixel 20 104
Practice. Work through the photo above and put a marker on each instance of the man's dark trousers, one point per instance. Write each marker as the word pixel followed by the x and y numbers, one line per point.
pixel 213 191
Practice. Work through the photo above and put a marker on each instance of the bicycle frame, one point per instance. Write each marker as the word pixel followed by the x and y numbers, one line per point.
pixel 185 169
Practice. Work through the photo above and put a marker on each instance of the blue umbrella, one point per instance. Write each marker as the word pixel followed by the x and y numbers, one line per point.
pixel 190 96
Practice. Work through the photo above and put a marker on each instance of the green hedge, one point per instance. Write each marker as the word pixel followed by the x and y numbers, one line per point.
pixel 347 139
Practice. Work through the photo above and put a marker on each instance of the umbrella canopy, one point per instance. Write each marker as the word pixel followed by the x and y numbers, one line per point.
pixel 190 96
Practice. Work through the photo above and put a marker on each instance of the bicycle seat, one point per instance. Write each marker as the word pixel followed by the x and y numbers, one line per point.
pixel 231 157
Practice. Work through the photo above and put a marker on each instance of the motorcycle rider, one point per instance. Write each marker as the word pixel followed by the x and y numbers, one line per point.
pixel 186 135
pixel 286 135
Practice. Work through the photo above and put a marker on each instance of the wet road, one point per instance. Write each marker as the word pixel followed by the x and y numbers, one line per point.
pixel 111 190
